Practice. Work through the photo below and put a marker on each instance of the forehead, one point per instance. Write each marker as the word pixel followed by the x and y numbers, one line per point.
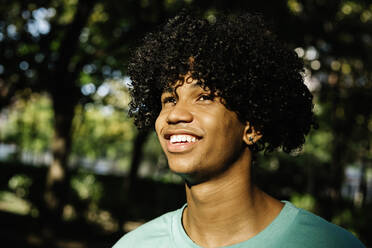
pixel 187 80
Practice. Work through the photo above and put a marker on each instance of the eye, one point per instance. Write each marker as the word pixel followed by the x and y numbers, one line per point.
pixel 206 97
pixel 169 99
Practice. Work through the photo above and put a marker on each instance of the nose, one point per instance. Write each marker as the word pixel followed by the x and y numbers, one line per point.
pixel 180 113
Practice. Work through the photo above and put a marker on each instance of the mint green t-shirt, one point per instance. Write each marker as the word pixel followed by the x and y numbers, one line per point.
pixel 292 228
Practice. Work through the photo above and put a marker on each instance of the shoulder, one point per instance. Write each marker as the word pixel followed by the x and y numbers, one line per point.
pixel 155 232
pixel 314 231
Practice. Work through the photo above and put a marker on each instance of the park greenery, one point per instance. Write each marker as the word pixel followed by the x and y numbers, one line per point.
pixel 76 155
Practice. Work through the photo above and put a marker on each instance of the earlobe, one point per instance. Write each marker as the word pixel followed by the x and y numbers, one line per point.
pixel 250 135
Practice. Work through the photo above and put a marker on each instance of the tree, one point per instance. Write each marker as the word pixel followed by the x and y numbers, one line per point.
pixel 67 48
pixel 58 47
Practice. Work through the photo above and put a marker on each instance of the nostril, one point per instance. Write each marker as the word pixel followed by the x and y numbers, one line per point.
pixel 179 115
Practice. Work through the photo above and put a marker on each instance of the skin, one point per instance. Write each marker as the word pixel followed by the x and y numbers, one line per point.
pixel 223 206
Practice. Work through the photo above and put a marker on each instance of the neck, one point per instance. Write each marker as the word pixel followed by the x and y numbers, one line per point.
pixel 228 209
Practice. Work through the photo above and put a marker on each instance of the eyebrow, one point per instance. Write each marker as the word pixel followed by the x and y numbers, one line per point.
pixel 172 89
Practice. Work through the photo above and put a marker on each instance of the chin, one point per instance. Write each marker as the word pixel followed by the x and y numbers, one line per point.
pixel 188 171
pixel 183 165
pixel 181 168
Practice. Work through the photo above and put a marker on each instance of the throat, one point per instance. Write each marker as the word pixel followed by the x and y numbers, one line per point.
pixel 228 220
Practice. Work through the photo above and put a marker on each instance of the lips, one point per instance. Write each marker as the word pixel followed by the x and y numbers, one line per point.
pixel 182 138
pixel 180 141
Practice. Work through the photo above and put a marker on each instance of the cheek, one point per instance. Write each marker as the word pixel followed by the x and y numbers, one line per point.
pixel 160 124
pixel 231 131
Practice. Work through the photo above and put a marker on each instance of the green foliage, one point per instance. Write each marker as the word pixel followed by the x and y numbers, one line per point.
pixel 319 144
pixel 102 133
pixel 20 184
pixel 305 201
pixel 295 7
pixel 102 129
pixel 87 187
pixel 333 38
pixel 11 202
pixel 153 151
pixel 29 124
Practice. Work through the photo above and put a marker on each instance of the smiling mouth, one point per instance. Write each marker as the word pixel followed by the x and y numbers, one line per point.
pixel 183 138
pixel 179 143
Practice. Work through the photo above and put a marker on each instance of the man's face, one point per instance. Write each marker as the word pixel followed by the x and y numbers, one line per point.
pixel 198 134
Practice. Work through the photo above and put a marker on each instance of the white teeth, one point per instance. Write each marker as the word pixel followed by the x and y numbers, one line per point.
pixel 182 138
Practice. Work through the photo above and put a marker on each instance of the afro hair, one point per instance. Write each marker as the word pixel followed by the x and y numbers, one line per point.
pixel 237 57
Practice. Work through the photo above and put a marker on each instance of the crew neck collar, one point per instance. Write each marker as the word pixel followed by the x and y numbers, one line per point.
pixel 273 230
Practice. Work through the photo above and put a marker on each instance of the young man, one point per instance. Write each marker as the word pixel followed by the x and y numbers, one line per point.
pixel 219 92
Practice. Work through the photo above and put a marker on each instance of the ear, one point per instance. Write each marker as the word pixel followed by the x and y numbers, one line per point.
pixel 250 135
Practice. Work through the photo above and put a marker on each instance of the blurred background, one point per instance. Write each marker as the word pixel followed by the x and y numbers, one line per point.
pixel 74 171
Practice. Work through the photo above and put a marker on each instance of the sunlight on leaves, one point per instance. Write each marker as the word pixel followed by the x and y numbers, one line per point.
pixel 10 202
pixel 29 123
pixel 305 201
pixel 348 8
pixel 99 14
pixel 318 144
pixel 103 218
pixel 295 7
pixel 20 184
pixel 69 9
pixel 87 187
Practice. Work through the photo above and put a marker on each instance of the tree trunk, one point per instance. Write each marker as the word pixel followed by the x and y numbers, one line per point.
pixel 57 180
pixel 363 175
pixel 127 199
pixel 336 170
pixel 65 94
pixel 136 160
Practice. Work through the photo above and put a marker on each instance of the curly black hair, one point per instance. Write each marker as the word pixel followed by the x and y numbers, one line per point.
pixel 236 56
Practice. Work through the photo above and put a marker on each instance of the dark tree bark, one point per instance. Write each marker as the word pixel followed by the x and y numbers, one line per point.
pixel 129 186
pixel 57 181
pixel 136 160
pixel 337 166
pixel 363 174
pixel 65 95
